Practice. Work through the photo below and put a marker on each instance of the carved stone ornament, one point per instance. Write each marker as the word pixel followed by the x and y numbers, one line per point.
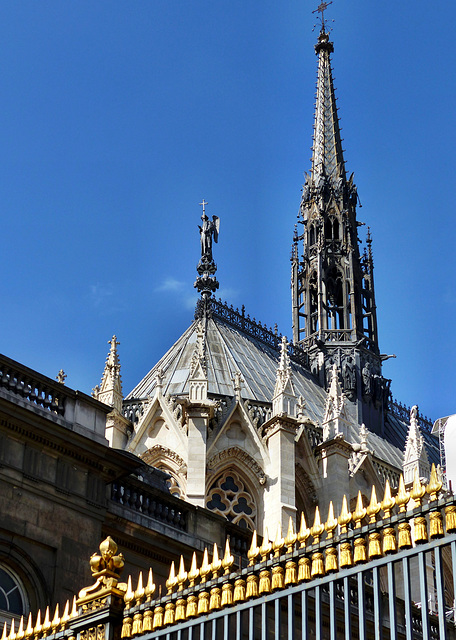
pixel 239 454
pixel 158 452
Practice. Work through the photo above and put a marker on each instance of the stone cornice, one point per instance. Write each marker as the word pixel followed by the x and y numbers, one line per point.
pixel 239 454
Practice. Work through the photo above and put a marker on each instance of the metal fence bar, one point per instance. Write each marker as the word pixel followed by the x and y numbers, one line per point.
pixel 264 621
pixel 251 623
pixel 226 627
pixel 291 617
pixel 392 601
pixel 361 607
pixel 440 593
pixel 332 610
pixel 277 619
pixel 423 595
pixel 190 633
pixel 202 634
pixel 453 566
pixel 407 599
pixel 377 604
pixel 347 608
pixel 179 634
pixel 214 629
pixel 318 620
pixel 238 625
pixel 304 612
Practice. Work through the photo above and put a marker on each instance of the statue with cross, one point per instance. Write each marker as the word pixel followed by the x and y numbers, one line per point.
pixel 209 230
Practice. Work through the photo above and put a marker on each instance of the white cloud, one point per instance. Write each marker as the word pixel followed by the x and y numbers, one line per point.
pixel 170 284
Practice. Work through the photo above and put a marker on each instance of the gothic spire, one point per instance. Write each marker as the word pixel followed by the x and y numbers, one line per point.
pixel 110 390
pixel 327 155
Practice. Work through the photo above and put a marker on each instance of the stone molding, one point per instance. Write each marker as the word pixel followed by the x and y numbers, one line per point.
pixel 239 454
pixel 157 451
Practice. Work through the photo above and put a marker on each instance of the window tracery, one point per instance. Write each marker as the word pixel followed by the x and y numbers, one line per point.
pixel 229 496
pixel 13 600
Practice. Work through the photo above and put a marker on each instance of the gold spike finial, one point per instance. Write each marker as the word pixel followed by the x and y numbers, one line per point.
pixel 291 536
pixel 5 631
pixel 129 595
pixel 254 551
pixel 278 541
pixel 150 586
pixel 359 511
pixel 317 528
pixel 388 502
pixel 228 559
pixel 172 580
pixel 266 546
pixel 56 619
pixel 182 574
pixel 74 610
pixel 205 566
pixel 374 506
pixel 216 562
pixel 66 615
pixel 435 484
pixel 140 591
pixel 194 571
pixel 331 522
pixel 418 490
pixel 12 633
pixel 20 632
pixel 29 628
pixel 38 626
pixel 304 532
pixel 345 515
pixel 403 496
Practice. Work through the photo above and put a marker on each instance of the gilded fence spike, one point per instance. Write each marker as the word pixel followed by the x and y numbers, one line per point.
pixel 12 634
pixel 345 516
pixel 304 532
pixel 150 586
pixel 239 594
pixel 216 564
pixel 29 629
pixel 66 616
pixel 279 542
pixel 20 632
pixel 169 613
pixel 205 568
pixel 317 528
pixel 331 522
pixel 435 484
pixel 182 575
pixel 157 621
pixel 140 591
pixel 74 610
pixel 388 502
pixel 228 559
pixel 359 512
pixel 55 620
pixel 129 595
pixel 46 622
pixel 266 546
pixel 418 490
pixel 450 518
pixel 254 551
pixel 5 631
pixel 374 507
pixel 403 496
pixel 137 627
pixel 147 620
pixel 38 626
pixel 172 581
pixel 193 573
pixel 290 537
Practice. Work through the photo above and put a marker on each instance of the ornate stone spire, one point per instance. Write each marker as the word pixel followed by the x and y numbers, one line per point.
pixel 284 400
pixel 327 154
pixel 110 390
pixel 198 382
pixel 206 282
pixel 336 420
pixel 415 455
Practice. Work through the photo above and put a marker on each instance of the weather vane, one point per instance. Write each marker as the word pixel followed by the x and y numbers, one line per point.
pixel 321 9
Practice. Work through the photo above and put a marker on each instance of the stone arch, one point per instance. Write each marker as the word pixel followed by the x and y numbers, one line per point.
pixel 306 496
pixel 171 463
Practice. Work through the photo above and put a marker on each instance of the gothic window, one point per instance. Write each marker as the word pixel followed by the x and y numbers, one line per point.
pixel 312 235
pixel 313 306
pixel 334 300
pixel 13 601
pixel 173 482
pixel 229 496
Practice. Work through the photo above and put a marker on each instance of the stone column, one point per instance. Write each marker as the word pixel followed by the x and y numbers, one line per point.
pixel 280 500
pixel 198 418
pixel 335 454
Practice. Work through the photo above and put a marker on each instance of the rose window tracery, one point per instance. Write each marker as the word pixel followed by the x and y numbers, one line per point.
pixel 229 496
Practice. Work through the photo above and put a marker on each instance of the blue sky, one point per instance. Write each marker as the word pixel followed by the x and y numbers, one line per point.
pixel 117 118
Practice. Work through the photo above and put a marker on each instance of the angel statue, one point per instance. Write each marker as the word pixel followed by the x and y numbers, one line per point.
pixel 209 229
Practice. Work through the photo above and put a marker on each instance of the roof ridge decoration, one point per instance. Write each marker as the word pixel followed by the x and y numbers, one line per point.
pixel 284 400
pixel 335 421
pixel 198 383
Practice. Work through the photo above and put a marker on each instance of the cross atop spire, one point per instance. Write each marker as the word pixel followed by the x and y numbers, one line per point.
pixel 321 9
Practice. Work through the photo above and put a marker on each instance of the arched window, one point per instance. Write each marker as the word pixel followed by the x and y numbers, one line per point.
pixel 229 496
pixel 13 599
